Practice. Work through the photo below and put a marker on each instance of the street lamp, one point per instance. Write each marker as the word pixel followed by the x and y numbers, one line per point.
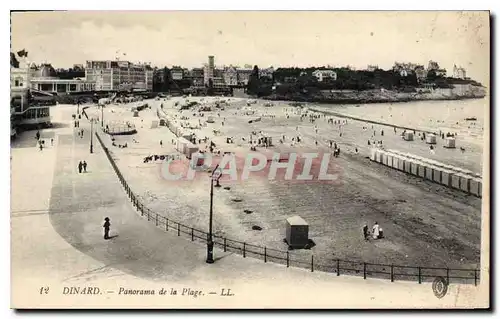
pixel 102 115
pixel 216 174
pixel 91 136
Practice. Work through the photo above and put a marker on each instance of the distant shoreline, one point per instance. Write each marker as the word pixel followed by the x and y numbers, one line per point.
pixel 372 100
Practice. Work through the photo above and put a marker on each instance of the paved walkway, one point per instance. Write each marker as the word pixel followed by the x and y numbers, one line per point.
pixel 56 221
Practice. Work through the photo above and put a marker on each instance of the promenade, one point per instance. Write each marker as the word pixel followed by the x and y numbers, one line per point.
pixel 56 240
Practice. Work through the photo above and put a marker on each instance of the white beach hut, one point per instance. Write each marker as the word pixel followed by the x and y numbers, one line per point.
pixel 401 163
pixel 379 156
pixel 297 232
pixel 389 156
pixel 414 167
pixel 465 182
pixel 373 153
pixel 408 163
pixel 421 169
pixel 395 161
pixel 455 180
pixel 475 186
pixel 428 172
pixel 436 174
pixel 446 177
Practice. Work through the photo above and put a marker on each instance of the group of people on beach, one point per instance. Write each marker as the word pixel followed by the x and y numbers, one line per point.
pixel 377 232
pixel 41 142
pixel 82 166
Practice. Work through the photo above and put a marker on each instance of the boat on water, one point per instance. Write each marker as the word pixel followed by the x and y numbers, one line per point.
pixel 471 119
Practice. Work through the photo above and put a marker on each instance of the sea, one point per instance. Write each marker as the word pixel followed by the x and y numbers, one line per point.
pixel 446 116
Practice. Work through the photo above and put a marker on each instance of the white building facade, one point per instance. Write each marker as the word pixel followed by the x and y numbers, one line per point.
pixel 119 75
pixel 323 75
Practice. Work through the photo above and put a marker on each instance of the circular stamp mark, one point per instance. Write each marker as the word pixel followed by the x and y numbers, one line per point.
pixel 440 287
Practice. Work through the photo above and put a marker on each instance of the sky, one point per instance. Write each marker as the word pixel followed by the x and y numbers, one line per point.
pixel 263 38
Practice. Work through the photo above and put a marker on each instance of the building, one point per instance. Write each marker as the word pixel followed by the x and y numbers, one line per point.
pixel 197 76
pixel 44 79
pixel 266 73
pixel 28 108
pixel 459 72
pixel 209 68
pixel 119 76
pixel 324 75
pixel 420 73
pixel 244 75
pixel 231 76
pixel 177 73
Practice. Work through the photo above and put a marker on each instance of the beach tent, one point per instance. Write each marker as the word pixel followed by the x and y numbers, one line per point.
pixel 408 136
pixel 297 232
pixel 430 139
pixel 154 124
pixel 385 158
pixel 449 142
pixel 378 156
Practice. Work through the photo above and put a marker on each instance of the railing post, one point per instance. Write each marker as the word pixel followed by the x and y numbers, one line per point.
pixel 156 219
pixel 338 267
pixel 392 273
pixel 166 225
pixel 244 252
pixel 149 215
pixel 364 270
pixel 192 234
pixel 312 263
pixel 448 275
pixel 225 245
pixel 475 277
pixel 178 229
pixel 287 259
pixel 265 254
pixel 419 275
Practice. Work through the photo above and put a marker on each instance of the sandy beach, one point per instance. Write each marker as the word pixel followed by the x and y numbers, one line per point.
pixel 425 224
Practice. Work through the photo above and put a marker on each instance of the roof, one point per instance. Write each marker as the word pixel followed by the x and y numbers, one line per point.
pixel 297 221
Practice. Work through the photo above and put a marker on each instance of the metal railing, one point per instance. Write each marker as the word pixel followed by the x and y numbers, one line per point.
pixel 338 266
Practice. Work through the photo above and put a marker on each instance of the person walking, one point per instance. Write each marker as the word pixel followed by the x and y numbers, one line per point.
pixel 106 227
pixel 84 167
pixel 376 231
pixel 80 166
pixel 51 142
pixel 365 232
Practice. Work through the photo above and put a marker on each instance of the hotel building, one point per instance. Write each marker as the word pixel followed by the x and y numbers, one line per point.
pixel 119 76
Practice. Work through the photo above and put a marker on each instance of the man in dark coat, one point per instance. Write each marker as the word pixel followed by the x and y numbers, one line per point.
pixel 80 166
pixel 106 226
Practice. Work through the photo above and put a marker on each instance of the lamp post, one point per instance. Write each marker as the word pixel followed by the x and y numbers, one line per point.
pixel 210 244
pixel 102 115
pixel 91 136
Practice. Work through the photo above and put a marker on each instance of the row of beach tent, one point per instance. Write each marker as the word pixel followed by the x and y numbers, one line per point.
pixel 448 175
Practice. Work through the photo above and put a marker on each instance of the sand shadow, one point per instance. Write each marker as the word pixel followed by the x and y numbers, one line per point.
pixel 111 237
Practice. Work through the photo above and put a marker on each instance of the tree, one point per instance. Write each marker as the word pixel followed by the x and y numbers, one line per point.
pixel 13 61
pixel 253 81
